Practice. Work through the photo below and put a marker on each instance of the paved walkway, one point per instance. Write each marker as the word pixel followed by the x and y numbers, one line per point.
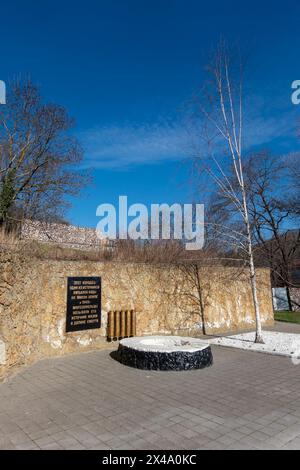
pixel 246 400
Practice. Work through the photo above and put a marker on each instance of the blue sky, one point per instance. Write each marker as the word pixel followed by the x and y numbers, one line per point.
pixel 124 70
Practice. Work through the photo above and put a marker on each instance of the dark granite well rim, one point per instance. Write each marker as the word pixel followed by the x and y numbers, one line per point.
pixel 155 360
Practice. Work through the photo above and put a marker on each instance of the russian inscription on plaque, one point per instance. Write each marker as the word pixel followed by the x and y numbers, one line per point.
pixel 83 303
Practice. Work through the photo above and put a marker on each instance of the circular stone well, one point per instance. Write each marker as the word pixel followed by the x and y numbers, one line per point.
pixel 165 353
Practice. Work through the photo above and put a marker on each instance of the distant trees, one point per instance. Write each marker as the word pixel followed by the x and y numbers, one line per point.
pixel 274 209
pixel 293 163
pixel 38 156
pixel 273 205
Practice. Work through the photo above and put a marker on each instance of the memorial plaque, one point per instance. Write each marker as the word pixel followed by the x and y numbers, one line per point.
pixel 83 303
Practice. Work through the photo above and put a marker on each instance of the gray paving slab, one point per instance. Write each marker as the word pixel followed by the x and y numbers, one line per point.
pixel 89 401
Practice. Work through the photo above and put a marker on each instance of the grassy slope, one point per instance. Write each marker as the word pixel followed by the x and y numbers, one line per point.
pixel 289 317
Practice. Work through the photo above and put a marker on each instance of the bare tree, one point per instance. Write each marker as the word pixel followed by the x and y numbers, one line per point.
pixel 222 109
pixel 293 167
pixel 197 290
pixel 37 155
pixel 274 212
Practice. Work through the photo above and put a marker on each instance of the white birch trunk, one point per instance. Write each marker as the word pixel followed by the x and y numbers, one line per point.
pixel 258 335
pixel 226 124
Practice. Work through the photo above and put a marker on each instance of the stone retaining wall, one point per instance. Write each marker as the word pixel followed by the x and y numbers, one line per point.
pixel 33 303
pixel 67 235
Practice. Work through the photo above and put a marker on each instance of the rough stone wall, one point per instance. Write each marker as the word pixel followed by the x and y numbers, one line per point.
pixel 167 301
pixel 63 234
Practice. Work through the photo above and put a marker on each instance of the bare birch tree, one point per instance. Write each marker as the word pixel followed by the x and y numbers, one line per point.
pixel 221 106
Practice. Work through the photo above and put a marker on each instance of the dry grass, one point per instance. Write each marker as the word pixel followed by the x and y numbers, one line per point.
pixel 9 240
pixel 164 252
pixel 47 250
pixel 124 251
pixel 52 251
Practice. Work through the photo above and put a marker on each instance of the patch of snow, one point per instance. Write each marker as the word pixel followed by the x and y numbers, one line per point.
pixel 84 341
pixel 46 337
pixel 56 344
pixel 103 318
pixel 165 344
pixel 227 323
pixel 2 353
pixel 277 343
pixel 61 328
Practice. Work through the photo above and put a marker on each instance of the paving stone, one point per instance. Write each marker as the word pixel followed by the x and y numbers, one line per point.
pixel 114 407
